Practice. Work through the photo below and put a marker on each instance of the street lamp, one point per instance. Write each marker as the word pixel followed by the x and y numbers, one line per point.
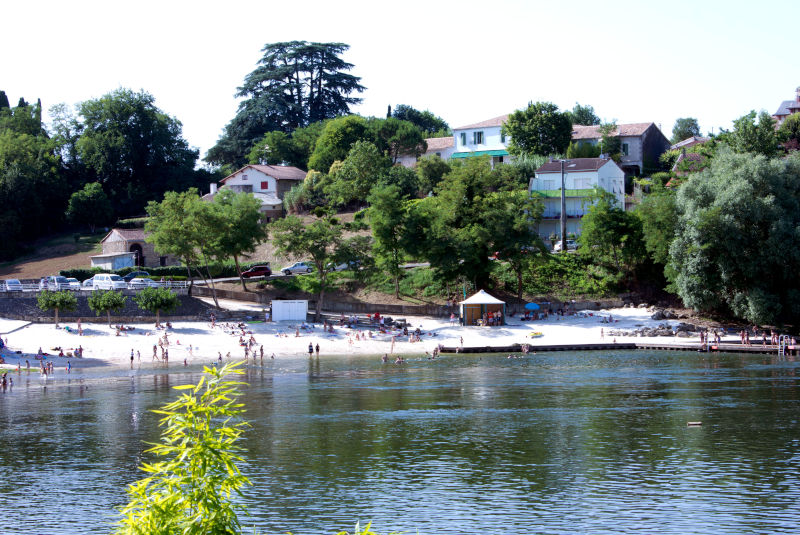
pixel 563 209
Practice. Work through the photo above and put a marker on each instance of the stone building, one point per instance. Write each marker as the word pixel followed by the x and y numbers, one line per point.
pixel 127 248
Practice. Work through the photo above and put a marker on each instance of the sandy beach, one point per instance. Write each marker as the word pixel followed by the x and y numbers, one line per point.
pixel 198 342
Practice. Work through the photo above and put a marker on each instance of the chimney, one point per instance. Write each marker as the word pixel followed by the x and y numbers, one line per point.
pixel 797 92
pixel 213 188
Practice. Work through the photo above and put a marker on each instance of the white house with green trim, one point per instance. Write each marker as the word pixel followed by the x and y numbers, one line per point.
pixel 581 176
pixel 483 138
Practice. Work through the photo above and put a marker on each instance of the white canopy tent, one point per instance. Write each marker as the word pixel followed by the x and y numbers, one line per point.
pixel 473 309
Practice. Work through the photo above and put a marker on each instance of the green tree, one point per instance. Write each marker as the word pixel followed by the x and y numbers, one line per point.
pixel 736 246
pixel 319 240
pixel 685 127
pixel 189 490
pixel 512 218
pixel 294 148
pixel 90 206
pixel 538 129
pixel 583 115
pixel 241 229
pixel 426 121
pixel 56 301
pixel 757 138
pixel 659 216
pixel 134 149
pixel 583 150
pixel 156 300
pixel 609 140
pixel 395 137
pixel 296 83
pixel 358 173
pixel 430 171
pixel 789 132
pixel 336 140
pixel 101 302
pixel 610 234
pixel 387 220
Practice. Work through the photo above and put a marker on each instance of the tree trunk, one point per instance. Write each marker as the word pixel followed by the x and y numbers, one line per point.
pixel 397 286
pixel 191 279
pixel 158 318
pixel 56 318
pixel 239 271
pixel 109 317
pixel 320 297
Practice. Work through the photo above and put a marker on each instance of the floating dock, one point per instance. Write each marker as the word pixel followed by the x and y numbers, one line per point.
pixel 653 346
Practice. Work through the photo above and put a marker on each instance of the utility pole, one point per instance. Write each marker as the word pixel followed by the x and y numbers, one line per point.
pixel 563 210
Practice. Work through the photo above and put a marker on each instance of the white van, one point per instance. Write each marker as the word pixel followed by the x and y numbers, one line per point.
pixel 108 281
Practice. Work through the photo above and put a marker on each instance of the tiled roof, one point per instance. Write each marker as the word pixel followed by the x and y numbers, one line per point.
pixel 786 107
pixel 690 142
pixel 130 233
pixel 593 132
pixel 575 165
pixel 439 143
pixel 280 172
pixel 496 121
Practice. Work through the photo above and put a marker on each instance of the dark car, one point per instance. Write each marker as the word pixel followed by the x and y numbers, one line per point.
pixel 135 275
pixel 257 271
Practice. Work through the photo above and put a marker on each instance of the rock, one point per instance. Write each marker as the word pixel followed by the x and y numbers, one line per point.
pixel 658 315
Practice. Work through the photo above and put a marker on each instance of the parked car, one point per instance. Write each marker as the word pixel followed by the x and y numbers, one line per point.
pixel 55 283
pixel 74 284
pixel 571 245
pixel 257 271
pixel 108 281
pixel 12 285
pixel 297 267
pixel 352 264
pixel 142 282
pixel 134 274
pixel 87 284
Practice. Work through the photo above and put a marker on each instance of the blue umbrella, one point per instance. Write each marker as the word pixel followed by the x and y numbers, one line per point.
pixel 532 306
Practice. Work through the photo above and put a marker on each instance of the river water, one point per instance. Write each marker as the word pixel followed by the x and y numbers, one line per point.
pixel 588 442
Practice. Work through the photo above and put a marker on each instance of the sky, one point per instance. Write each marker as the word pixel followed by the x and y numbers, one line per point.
pixel 465 61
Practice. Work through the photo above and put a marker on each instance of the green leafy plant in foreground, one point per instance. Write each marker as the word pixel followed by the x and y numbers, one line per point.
pixel 190 491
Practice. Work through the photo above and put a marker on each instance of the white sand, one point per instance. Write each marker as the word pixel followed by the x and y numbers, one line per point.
pixel 102 346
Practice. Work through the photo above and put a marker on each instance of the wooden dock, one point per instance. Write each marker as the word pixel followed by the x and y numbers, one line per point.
pixel 652 346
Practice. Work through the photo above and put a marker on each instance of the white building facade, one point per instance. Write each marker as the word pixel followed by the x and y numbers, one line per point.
pixel 483 138
pixel 581 176
pixel 267 183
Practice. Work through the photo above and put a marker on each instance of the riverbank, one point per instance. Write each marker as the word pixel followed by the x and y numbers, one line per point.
pixel 199 342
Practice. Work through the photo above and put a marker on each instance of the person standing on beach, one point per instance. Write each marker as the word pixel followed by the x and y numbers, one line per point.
pixel 262 351
pixel 310 350
pixel 317 348
pixel 131 358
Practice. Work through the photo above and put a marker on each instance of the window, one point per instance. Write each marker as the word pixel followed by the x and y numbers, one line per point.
pixel 244 177
pixel 477 138
pixel 439 154
pixel 265 184
pixel 625 149
pixel 502 137
pixel 463 138
pixel 162 261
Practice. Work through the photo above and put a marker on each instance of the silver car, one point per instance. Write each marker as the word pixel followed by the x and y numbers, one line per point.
pixel 11 285
pixel 297 267
pixel 142 282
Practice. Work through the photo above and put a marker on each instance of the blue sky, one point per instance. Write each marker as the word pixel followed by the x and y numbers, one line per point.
pixel 465 61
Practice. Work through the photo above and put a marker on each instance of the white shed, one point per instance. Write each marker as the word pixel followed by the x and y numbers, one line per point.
pixel 289 310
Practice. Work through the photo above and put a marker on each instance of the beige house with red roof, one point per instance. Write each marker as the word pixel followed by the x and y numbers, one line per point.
pixel 267 183
pixel 641 144
pixel 128 248
pixel 443 147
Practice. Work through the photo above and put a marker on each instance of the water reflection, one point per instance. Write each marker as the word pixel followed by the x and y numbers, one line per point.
pixel 552 443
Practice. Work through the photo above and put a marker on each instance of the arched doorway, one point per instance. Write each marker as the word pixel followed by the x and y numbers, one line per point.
pixel 136 248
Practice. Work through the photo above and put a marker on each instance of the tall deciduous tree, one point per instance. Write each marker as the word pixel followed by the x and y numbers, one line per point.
pixel 295 84
pixel 336 140
pixel 685 127
pixel 241 230
pixel 134 149
pixel 387 216
pixel 736 245
pixel 609 233
pixel 360 171
pixel 538 129
pixel 319 240
pixel 426 121
pixel 395 138
pixel 583 115
pixel 757 138
pixel 90 206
